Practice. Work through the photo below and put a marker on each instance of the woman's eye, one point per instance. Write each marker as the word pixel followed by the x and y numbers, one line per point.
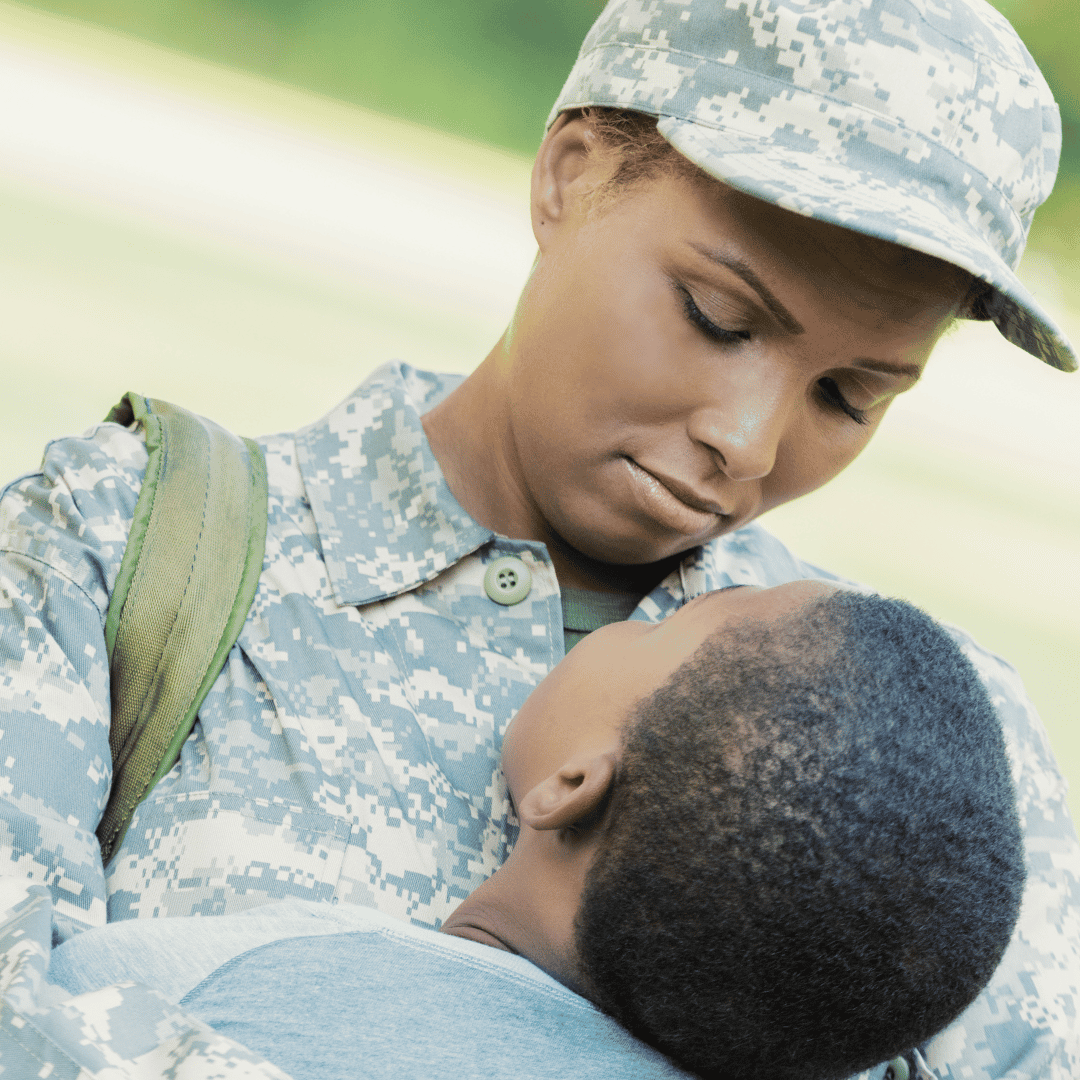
pixel 832 395
pixel 717 333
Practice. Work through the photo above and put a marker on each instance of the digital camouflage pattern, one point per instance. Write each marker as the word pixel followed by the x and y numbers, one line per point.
pixel 349 750
pixel 923 122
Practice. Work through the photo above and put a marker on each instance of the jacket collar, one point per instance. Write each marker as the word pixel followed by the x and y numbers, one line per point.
pixel 386 518
pixel 749 556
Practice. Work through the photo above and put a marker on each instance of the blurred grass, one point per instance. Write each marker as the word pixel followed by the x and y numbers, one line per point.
pixel 101 304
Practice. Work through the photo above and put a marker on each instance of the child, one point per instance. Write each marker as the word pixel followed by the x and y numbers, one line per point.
pixel 773 835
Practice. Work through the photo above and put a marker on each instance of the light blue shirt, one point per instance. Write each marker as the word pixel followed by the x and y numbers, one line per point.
pixel 337 993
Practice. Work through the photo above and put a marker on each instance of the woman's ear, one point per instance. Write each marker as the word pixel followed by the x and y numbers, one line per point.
pixel 572 794
pixel 565 155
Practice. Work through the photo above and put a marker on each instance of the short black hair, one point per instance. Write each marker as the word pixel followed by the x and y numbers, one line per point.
pixel 812 859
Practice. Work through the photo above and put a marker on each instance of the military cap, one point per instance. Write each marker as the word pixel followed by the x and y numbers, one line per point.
pixel 922 122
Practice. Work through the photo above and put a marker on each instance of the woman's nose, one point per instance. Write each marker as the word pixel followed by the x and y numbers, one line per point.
pixel 743 430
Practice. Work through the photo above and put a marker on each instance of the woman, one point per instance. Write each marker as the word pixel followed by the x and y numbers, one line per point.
pixel 687 353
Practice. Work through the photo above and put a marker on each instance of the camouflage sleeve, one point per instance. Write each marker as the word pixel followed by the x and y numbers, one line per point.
pixel 1024 1026
pixel 62 535
pixel 119 1031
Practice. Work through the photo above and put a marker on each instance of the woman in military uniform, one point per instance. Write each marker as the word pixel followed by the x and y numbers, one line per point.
pixel 754 222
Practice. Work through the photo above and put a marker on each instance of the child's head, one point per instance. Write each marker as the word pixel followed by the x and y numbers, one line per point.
pixel 773 835
pixel 837 867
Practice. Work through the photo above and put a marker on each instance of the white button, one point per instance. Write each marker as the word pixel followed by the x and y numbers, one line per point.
pixel 507 581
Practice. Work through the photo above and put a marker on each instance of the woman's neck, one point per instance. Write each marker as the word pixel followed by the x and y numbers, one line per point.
pixel 577 571
pixel 469 434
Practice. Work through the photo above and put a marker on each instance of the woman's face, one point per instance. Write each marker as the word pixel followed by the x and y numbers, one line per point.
pixel 686 357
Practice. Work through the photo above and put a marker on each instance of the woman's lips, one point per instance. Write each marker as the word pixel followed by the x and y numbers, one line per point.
pixel 672 503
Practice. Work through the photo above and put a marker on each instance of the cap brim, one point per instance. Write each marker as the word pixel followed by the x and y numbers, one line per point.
pixel 904 211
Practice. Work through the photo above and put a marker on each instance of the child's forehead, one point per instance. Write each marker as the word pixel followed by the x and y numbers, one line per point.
pixel 646 654
pixel 744 603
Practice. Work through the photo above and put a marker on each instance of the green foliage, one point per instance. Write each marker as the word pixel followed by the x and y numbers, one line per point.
pixel 1051 31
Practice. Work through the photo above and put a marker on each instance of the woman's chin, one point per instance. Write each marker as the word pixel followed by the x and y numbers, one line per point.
pixel 628 548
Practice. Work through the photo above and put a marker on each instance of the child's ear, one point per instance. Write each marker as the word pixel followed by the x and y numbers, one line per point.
pixel 570 795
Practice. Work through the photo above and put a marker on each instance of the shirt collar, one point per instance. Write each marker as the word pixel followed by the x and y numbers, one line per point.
pixel 749 556
pixel 386 518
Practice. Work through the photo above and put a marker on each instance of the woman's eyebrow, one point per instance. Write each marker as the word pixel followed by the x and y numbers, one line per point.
pixel 737 266
pixel 908 371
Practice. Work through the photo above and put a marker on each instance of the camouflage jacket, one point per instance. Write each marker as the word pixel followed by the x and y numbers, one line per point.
pixel 349 750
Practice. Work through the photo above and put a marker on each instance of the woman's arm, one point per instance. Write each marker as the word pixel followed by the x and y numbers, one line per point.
pixel 62 535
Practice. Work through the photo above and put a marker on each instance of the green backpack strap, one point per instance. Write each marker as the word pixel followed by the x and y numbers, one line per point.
pixel 186 583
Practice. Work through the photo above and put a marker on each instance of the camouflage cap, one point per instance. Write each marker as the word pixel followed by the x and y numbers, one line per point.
pixel 923 122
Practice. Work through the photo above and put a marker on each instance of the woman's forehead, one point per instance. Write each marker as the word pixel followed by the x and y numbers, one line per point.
pixel 727 225
pixel 824 245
